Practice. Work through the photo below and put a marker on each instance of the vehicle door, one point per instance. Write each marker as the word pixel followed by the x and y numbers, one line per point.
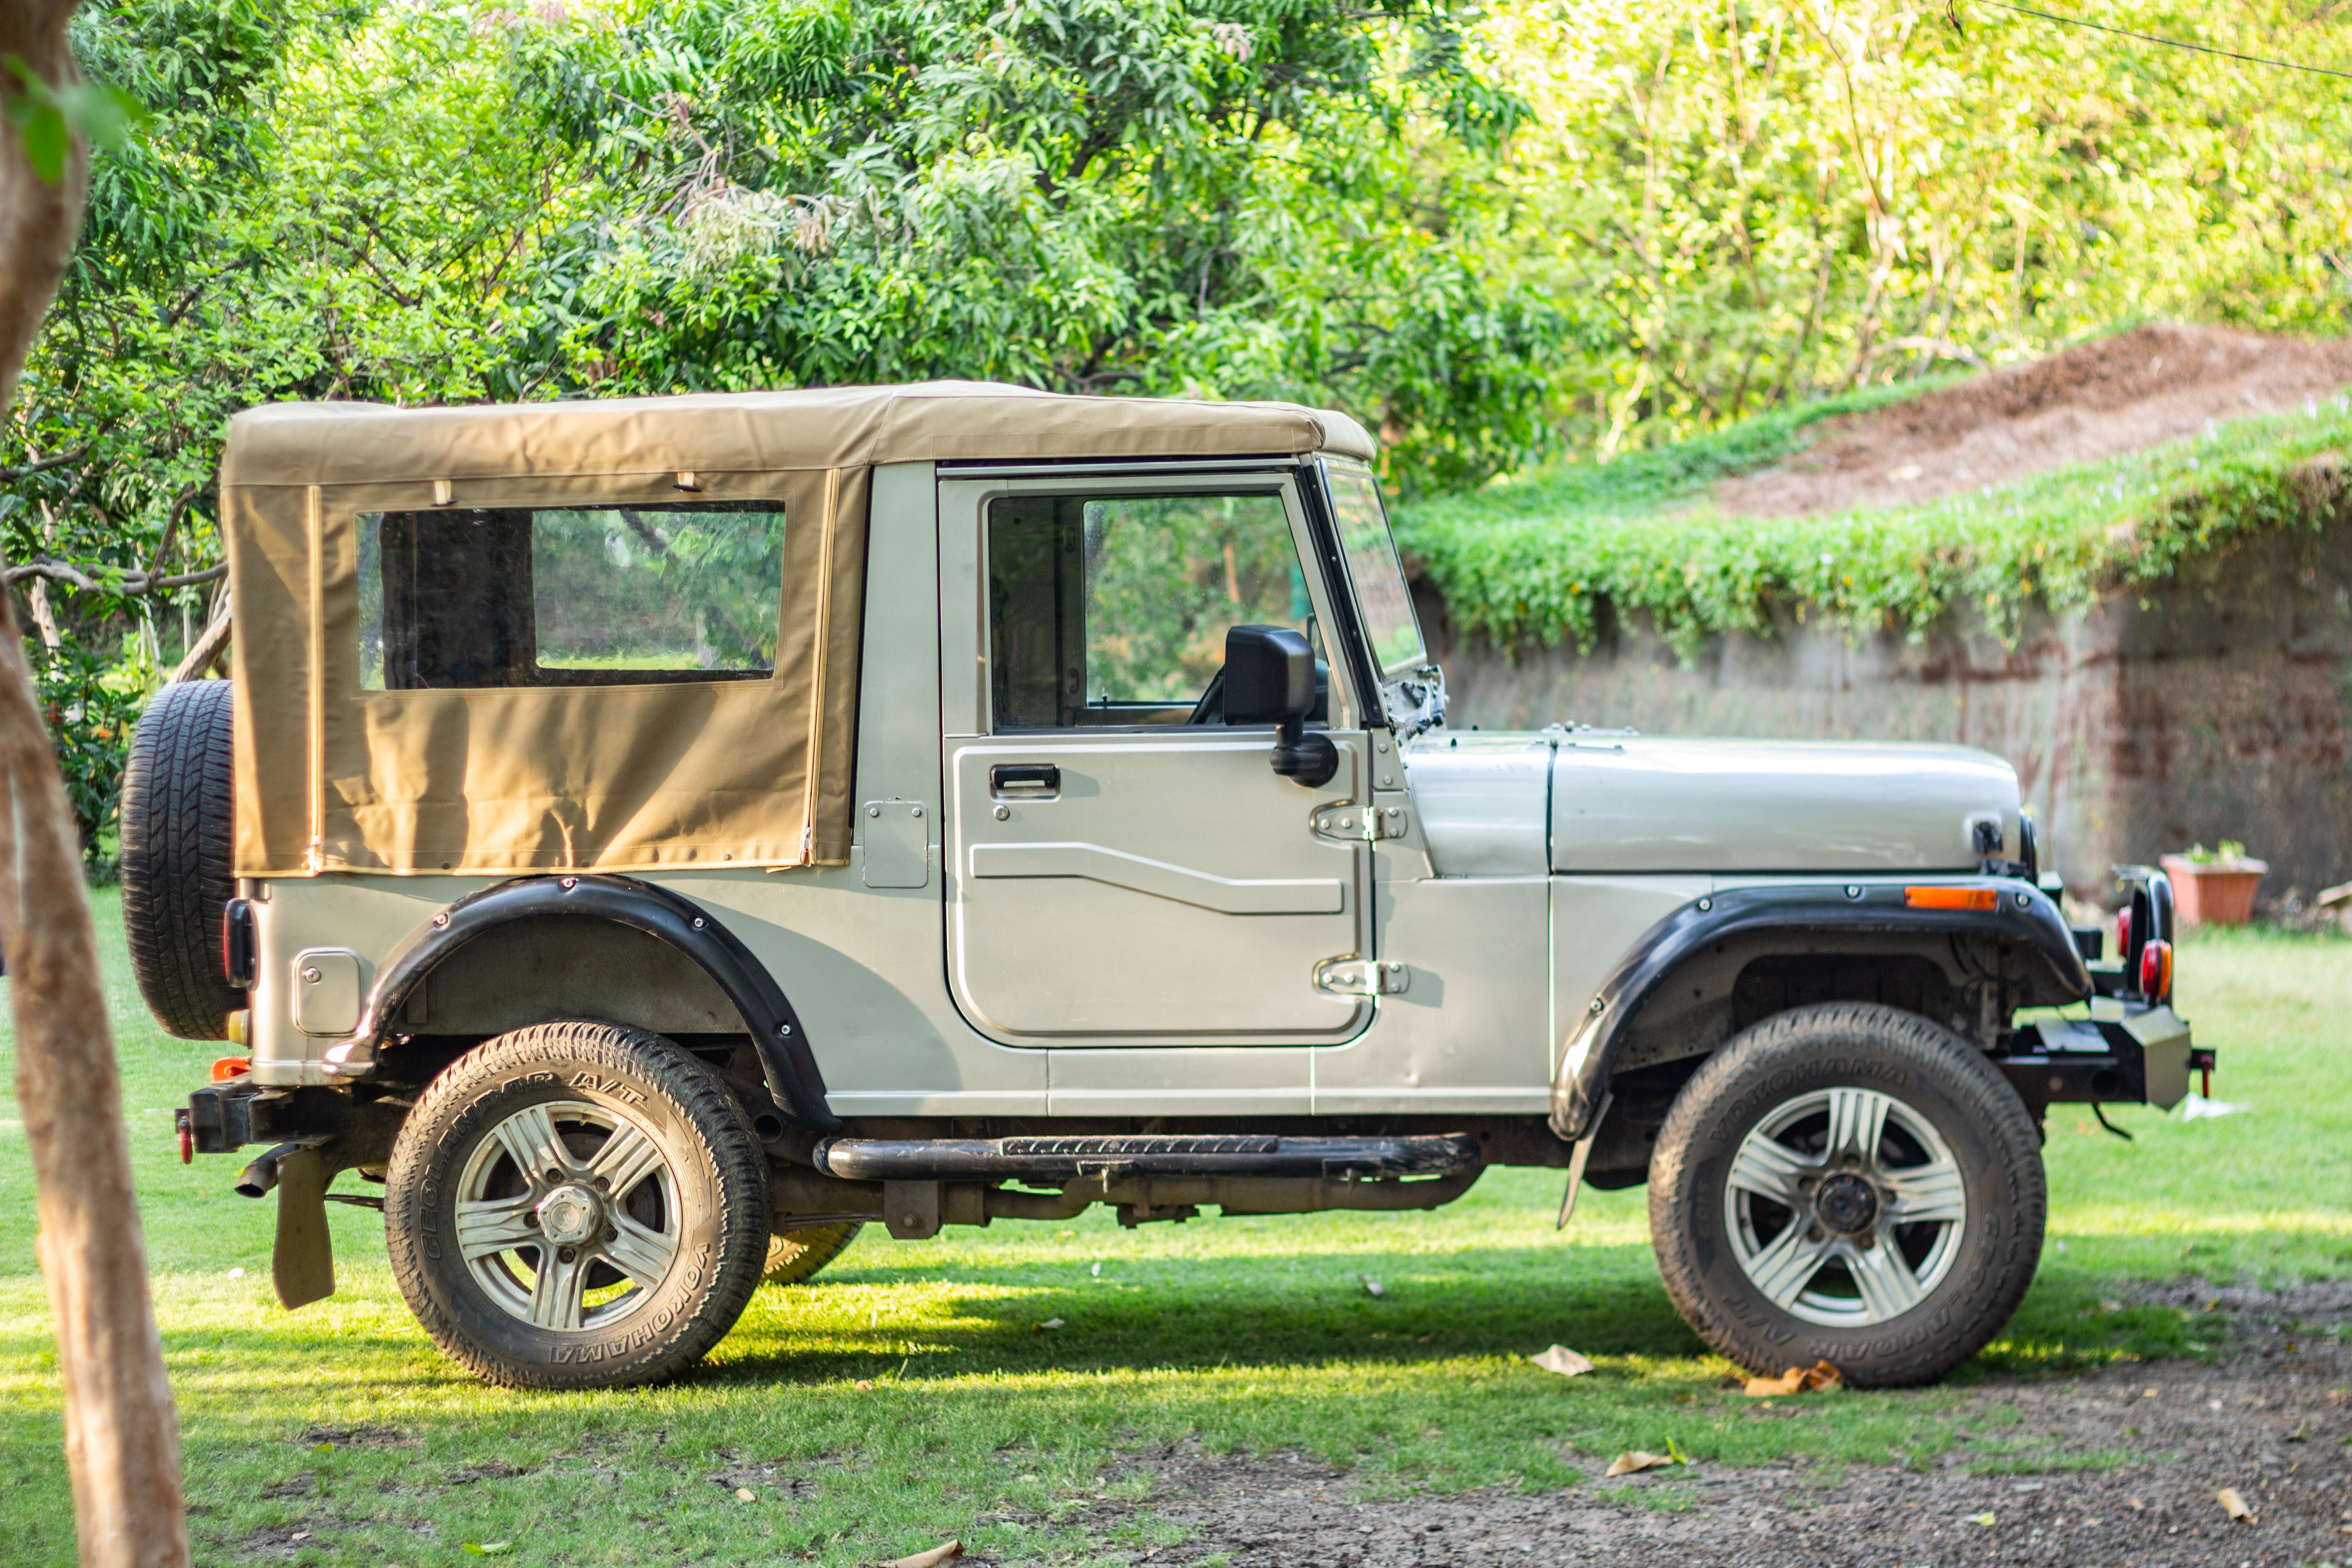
pixel 1125 868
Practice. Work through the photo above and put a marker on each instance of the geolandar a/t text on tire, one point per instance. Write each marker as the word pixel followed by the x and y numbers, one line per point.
pixel 655 845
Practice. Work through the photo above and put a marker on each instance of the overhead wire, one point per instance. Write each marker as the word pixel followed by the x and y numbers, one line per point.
pixel 2153 38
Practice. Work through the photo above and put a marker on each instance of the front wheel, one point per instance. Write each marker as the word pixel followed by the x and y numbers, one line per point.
pixel 577 1206
pixel 1853 1184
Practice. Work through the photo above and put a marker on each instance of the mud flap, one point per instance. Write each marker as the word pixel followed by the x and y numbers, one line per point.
pixel 302 1265
pixel 1576 1161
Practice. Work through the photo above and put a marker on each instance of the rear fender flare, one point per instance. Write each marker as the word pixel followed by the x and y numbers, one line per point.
pixel 669 916
pixel 2024 921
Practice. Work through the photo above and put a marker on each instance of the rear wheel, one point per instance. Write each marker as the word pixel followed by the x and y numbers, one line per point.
pixel 1852 1183
pixel 795 1254
pixel 577 1206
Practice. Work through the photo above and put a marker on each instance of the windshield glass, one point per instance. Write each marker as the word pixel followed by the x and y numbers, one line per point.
pixel 1372 555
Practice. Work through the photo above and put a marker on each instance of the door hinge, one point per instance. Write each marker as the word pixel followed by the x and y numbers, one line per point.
pixel 1350 824
pixel 1362 977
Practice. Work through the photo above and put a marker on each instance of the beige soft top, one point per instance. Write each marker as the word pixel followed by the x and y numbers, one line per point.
pixel 332 777
pixel 826 427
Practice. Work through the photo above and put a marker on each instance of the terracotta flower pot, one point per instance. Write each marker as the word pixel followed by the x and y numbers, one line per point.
pixel 2214 893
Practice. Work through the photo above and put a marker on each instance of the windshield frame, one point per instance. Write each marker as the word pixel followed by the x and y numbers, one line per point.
pixel 1330 467
pixel 1410 691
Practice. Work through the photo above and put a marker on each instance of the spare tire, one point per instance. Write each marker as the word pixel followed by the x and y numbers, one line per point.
pixel 178 798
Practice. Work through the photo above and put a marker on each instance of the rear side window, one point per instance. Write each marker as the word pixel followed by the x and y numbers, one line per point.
pixel 1112 609
pixel 503 596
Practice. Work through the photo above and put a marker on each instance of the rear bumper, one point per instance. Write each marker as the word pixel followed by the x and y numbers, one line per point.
pixel 2146 1056
pixel 221 1118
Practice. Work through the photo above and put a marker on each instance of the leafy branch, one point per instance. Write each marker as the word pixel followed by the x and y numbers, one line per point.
pixel 49 116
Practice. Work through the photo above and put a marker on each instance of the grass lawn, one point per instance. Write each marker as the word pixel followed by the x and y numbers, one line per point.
pixel 914 1390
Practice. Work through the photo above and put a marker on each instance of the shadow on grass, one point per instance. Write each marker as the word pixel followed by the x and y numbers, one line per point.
pixel 1175 1315
pixel 2072 1320
pixel 1156 1315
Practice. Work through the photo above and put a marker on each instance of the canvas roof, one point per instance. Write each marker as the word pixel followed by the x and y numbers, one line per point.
pixel 827 428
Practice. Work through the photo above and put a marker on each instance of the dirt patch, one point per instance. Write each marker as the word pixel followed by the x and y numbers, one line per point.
pixel 278 1543
pixel 2136 389
pixel 357 1437
pixel 468 1475
pixel 766 1482
pixel 2271 1419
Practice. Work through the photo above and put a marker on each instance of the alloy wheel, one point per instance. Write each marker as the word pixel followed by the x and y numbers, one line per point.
pixel 568 1215
pixel 1848 1208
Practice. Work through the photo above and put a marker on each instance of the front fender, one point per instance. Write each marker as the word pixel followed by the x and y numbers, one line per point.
pixel 2022 920
pixel 775 1029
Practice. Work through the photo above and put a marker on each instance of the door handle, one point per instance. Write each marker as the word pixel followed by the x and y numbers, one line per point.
pixel 1043 778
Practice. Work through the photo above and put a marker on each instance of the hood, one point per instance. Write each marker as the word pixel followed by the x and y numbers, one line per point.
pixel 1597 800
pixel 1634 802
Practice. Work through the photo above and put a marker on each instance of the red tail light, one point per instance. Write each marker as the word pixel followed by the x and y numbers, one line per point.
pixel 2123 931
pixel 2156 970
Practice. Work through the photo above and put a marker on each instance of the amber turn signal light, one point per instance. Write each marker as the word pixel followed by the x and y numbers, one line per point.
pixel 2156 970
pixel 1952 898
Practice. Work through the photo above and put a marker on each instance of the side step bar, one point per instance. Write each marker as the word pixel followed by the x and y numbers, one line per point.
pixel 1072 1158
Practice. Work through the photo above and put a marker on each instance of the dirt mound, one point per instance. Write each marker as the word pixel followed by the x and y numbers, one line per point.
pixel 2139 388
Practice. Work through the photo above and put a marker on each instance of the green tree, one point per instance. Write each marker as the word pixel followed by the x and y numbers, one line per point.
pixel 1094 195
pixel 1757 203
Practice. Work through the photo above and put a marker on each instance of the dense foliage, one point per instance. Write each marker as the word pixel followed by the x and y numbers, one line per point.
pixel 1529 564
pixel 1759 201
pixel 439 202
pixel 91 713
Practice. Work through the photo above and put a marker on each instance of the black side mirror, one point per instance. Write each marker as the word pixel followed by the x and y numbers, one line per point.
pixel 1269 679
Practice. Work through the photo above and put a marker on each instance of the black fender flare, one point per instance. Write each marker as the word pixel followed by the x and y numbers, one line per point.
pixel 2022 918
pixel 659 912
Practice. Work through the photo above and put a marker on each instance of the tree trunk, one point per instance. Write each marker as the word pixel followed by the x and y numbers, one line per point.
pixel 45 620
pixel 122 1440
pixel 37 219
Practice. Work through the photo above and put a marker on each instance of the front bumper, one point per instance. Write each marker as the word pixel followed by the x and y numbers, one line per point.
pixel 2145 1056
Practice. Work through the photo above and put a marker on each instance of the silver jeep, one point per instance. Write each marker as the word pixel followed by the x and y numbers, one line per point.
pixel 642 842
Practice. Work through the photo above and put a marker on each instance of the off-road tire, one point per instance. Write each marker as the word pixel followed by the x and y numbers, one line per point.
pixel 1934 1075
pixel 179 798
pixel 795 1254
pixel 713 1157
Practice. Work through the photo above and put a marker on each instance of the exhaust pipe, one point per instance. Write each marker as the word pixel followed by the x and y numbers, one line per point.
pixel 259 1177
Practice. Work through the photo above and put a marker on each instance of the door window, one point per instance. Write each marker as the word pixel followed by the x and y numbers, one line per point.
pixel 1113 609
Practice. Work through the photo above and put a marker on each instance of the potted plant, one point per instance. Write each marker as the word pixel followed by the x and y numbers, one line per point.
pixel 2214 887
